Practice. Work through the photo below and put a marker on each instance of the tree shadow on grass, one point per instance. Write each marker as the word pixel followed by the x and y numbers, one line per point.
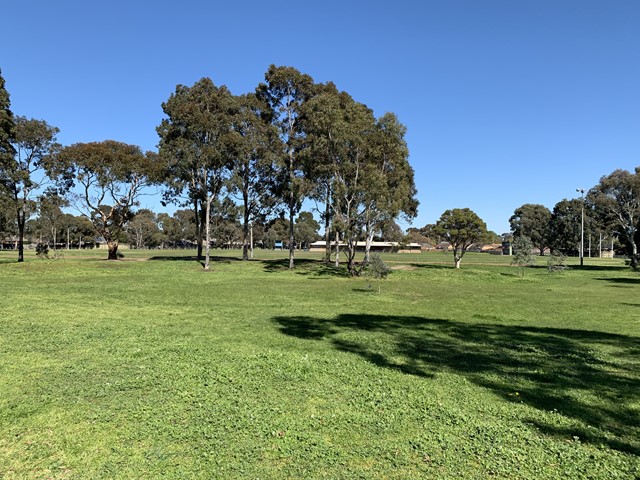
pixel 590 377
pixel 305 266
pixel 194 258
pixel 621 280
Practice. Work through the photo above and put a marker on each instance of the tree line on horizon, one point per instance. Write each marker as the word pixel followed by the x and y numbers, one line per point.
pixel 230 162
pixel 256 156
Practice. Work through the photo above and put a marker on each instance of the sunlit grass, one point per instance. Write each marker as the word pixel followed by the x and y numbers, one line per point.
pixel 155 369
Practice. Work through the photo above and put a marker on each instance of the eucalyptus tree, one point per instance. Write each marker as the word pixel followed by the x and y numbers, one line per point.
pixel 391 189
pixel 285 91
pixel 7 130
pixel 461 227
pixel 195 141
pixel 51 219
pixel 324 124
pixel 110 178
pixel 532 221
pixel 351 179
pixel 253 143
pixel 616 200
pixel 24 175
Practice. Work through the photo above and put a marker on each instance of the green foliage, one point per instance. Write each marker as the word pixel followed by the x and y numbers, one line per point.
pixel 523 253
pixel 565 226
pixel 461 227
pixel 556 262
pixel 377 268
pixel 110 176
pixel 532 221
pixel 616 204
pixel 148 369
pixel 42 250
pixel 7 133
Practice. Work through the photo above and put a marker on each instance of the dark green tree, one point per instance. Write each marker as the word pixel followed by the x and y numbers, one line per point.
pixel 110 177
pixel 253 144
pixel 7 132
pixel 24 175
pixel 390 189
pixel 196 142
pixel 616 202
pixel 143 230
pixel 51 218
pixel 532 221
pixel 564 226
pixel 461 227
pixel 285 91
pixel 306 229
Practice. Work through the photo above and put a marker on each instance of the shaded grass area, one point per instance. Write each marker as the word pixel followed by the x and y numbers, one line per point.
pixel 590 377
pixel 155 369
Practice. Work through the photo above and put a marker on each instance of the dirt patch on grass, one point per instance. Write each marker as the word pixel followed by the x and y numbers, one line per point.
pixel 403 267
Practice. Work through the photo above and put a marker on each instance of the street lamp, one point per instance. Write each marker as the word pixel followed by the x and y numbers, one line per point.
pixel 581 192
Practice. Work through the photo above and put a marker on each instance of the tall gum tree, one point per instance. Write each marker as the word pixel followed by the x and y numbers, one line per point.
pixel 285 90
pixel 25 176
pixel 391 190
pixel 110 178
pixel 195 141
pixel 253 143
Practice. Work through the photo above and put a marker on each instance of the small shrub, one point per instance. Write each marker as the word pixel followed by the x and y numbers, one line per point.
pixel 42 250
pixel 556 262
pixel 522 253
pixel 377 269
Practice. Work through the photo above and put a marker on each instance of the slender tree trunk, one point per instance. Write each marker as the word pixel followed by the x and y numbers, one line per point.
pixel 351 253
pixel 21 223
pixel 291 234
pixel 207 223
pixel 327 228
pixel 337 249
pixel 198 229
pixel 245 226
pixel 22 216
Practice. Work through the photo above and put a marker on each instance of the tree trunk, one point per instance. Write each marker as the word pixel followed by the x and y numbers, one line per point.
pixel 337 249
pixel 457 259
pixel 291 236
pixel 327 228
pixel 245 227
pixel 21 222
pixel 112 245
pixel 21 240
pixel 207 224
pixel 198 229
pixel 351 253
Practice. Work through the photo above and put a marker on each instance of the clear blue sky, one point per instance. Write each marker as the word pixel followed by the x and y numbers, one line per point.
pixel 506 102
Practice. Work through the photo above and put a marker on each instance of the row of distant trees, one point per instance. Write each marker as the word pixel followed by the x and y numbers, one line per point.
pixel 610 210
pixel 261 154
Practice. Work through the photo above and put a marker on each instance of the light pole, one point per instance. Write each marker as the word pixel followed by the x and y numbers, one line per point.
pixel 581 192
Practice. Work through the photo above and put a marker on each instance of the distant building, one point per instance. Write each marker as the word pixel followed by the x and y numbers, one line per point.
pixel 388 247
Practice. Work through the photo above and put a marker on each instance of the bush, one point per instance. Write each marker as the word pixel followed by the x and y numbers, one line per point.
pixel 42 250
pixel 376 267
pixel 556 262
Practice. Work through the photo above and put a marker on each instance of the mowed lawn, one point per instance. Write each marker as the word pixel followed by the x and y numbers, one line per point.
pixel 151 368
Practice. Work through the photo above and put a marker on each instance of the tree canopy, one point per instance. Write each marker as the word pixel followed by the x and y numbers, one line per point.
pixel 461 227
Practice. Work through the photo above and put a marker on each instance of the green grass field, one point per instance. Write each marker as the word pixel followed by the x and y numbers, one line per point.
pixel 151 368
